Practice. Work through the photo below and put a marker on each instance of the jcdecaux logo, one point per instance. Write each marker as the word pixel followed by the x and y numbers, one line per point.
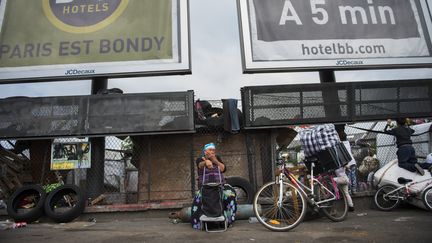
pixel 83 16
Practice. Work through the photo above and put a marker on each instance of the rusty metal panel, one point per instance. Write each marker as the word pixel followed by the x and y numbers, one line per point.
pixel 94 115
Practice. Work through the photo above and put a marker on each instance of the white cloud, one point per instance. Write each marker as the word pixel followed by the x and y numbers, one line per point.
pixel 46 89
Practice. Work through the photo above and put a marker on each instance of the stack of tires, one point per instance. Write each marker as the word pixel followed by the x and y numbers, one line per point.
pixel 62 205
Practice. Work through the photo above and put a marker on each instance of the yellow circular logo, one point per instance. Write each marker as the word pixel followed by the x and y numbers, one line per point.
pixel 83 16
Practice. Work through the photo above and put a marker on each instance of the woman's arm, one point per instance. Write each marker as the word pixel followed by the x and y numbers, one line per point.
pixel 205 162
pixel 216 161
pixel 386 128
pixel 221 166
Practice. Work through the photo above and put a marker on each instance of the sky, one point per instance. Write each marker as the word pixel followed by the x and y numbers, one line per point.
pixel 216 65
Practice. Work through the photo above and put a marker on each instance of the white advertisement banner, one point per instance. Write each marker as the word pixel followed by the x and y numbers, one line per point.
pixel 338 34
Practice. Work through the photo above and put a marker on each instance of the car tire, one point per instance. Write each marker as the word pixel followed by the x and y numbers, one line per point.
pixel 54 197
pixel 244 185
pixel 32 214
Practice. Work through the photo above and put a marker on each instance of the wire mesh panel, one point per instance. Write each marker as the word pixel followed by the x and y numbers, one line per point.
pixel 96 115
pixel 281 105
pixel 153 112
pixel 261 158
pixel 395 99
pixel 294 104
pixel 32 117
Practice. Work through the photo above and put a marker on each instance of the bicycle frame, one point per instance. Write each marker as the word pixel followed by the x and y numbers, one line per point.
pixel 408 186
pixel 309 192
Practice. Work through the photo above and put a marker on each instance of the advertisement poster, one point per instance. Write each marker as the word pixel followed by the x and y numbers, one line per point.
pixel 74 38
pixel 335 33
pixel 70 155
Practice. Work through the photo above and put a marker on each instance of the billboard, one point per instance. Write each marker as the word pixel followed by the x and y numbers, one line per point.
pixel 334 34
pixel 70 155
pixel 75 39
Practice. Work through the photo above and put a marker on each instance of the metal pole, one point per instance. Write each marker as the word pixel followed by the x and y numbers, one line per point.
pixel 273 151
pixel 250 153
pixel 192 164
pixel 149 160
pixel 327 76
pixel 330 96
pixel 95 175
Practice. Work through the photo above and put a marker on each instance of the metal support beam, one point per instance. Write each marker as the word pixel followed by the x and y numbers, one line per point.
pixel 250 153
pixel 192 165
pixel 95 175
pixel 330 96
pixel 327 76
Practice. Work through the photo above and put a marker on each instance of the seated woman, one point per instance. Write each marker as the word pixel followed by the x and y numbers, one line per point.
pixel 211 169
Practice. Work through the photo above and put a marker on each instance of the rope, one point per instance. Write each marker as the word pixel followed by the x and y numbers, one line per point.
pixel 382 132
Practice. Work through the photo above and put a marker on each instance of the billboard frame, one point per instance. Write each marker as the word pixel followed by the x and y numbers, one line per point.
pixel 121 69
pixel 250 66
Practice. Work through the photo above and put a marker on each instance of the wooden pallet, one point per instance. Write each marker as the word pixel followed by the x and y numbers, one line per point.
pixel 11 168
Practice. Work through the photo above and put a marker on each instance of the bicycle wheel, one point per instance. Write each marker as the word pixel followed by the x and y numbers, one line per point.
pixel 385 199
pixel 336 209
pixel 278 216
pixel 427 198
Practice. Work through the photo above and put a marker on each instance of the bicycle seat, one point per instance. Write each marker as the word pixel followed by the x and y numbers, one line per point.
pixel 404 181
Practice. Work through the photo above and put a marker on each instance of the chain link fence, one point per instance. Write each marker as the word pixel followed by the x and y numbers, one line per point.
pixel 371 150
pixel 161 168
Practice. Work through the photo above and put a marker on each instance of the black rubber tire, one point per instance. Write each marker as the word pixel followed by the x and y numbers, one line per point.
pixel 32 214
pixel 384 203
pixel 70 214
pixel 426 198
pixel 243 184
pixel 343 201
pixel 270 193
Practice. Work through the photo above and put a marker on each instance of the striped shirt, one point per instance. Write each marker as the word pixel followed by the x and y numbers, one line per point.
pixel 318 138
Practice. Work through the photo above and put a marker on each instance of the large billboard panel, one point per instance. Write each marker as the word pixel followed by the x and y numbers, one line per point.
pixel 70 39
pixel 334 34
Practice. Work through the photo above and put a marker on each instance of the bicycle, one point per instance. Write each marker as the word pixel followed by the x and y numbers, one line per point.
pixel 389 196
pixel 281 205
